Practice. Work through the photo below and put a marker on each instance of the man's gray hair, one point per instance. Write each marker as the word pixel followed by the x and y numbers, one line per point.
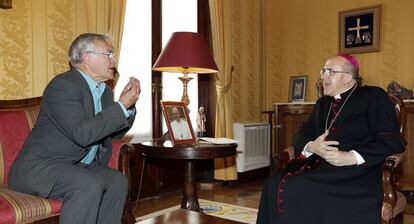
pixel 83 43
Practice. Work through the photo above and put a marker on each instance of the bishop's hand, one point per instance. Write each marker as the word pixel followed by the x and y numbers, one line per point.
pixel 319 146
pixel 340 158
pixel 329 151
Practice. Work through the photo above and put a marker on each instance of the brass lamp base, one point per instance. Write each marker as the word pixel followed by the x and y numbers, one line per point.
pixel 185 79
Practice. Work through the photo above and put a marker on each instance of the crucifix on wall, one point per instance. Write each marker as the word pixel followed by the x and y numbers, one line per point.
pixel 6 4
pixel 359 30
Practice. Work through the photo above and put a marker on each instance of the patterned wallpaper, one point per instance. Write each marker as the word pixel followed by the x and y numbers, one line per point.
pixel 246 59
pixel 60 21
pixel 14 51
pixel 300 35
pixel 34 38
pixel 273 40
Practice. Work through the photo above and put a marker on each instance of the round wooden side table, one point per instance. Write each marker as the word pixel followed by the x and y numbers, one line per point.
pixel 190 154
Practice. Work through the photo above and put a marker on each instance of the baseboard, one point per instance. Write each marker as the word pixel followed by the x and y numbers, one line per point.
pixel 253 175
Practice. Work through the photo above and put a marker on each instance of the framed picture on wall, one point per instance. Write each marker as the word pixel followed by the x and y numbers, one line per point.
pixel 359 30
pixel 178 122
pixel 5 4
pixel 297 88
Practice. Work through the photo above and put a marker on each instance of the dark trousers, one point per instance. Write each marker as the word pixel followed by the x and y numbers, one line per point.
pixel 91 194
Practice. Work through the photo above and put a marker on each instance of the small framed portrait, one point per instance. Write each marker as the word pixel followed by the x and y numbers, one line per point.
pixel 297 88
pixel 359 30
pixel 178 122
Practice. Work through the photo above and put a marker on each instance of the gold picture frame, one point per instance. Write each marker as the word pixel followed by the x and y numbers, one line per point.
pixel 178 123
pixel 5 4
pixel 297 88
pixel 359 30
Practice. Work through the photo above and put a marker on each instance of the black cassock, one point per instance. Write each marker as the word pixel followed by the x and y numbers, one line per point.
pixel 314 192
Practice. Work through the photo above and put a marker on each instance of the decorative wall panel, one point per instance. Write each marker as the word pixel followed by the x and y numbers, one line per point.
pixel 246 59
pixel 390 65
pixel 252 107
pixel 61 20
pixel 14 51
pixel 34 40
pixel 236 58
pixel 274 58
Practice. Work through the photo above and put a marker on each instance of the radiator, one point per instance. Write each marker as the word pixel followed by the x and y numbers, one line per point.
pixel 253 147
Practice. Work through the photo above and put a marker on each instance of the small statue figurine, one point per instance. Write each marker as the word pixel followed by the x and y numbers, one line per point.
pixel 201 122
pixel 319 87
pixel 396 89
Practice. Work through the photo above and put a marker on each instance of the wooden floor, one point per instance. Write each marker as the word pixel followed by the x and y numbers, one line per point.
pixel 247 195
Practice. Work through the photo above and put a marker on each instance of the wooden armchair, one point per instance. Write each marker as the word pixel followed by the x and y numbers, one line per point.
pixel 394 202
pixel 17 117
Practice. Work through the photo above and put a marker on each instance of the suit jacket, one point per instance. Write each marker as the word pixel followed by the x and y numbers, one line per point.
pixel 65 130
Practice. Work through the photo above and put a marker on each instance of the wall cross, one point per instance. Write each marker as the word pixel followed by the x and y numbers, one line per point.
pixel 358 28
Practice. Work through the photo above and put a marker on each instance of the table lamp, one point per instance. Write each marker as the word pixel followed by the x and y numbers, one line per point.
pixel 185 52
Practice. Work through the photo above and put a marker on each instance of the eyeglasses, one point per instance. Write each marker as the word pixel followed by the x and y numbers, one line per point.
pixel 329 71
pixel 110 54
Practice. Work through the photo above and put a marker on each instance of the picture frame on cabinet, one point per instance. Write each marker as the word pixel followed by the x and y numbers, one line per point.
pixel 297 88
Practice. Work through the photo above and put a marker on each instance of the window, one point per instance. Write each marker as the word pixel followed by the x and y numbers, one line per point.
pixel 135 60
pixel 179 16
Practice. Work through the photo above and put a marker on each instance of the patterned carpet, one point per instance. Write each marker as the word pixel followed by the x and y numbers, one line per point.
pixel 228 211
pixel 222 210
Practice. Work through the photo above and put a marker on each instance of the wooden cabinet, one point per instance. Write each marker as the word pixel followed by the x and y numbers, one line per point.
pixel 406 180
pixel 289 117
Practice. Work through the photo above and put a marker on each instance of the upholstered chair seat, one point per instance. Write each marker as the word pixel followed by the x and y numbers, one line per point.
pixel 17 118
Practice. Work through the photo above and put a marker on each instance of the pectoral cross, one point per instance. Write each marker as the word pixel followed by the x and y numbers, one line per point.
pixel 358 28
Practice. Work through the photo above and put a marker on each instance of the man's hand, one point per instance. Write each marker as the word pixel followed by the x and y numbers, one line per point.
pixel 131 92
pixel 340 158
pixel 319 146
pixel 328 151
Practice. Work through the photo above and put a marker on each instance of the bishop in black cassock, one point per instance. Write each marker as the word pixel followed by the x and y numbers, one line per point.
pixel 348 135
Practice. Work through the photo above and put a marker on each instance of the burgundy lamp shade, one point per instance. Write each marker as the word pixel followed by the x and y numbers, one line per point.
pixel 186 52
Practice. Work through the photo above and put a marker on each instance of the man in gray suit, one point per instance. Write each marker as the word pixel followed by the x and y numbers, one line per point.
pixel 66 154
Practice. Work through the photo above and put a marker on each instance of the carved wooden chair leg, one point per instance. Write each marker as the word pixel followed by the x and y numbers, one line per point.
pixel 128 217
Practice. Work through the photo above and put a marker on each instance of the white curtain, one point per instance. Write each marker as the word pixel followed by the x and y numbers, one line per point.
pixel 179 16
pixel 135 60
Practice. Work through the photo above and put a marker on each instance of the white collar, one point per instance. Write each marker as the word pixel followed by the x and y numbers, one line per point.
pixel 339 95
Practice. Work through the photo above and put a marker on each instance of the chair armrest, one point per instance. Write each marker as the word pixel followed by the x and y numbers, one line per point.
pixel 388 178
pixel 285 156
pixel 116 152
pixel 123 158
pixel 397 158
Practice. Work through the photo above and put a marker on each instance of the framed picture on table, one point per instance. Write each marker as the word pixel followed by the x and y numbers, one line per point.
pixel 359 30
pixel 178 122
pixel 297 88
